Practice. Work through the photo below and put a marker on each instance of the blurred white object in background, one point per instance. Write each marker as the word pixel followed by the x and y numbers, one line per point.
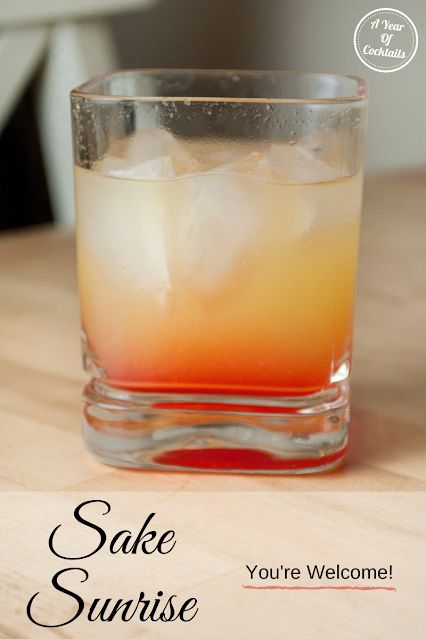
pixel 76 52
pixel 73 43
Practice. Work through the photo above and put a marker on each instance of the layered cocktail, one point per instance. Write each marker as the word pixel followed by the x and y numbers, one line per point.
pixel 217 255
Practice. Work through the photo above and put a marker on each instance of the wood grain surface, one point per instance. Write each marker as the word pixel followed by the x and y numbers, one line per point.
pixel 41 376
pixel 370 512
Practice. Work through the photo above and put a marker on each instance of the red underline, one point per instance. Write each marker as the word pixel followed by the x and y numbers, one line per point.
pixel 388 588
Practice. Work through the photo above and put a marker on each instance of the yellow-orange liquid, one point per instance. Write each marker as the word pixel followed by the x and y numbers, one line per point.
pixel 220 283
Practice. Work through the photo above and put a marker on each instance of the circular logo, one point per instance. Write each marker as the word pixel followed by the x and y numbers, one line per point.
pixel 385 40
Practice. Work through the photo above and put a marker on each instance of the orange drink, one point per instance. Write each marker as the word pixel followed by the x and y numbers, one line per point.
pixel 217 254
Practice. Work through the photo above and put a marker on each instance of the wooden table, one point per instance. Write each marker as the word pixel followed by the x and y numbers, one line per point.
pixel 376 499
pixel 41 372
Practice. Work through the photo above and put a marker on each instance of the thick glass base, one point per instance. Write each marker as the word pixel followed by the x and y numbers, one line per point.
pixel 285 435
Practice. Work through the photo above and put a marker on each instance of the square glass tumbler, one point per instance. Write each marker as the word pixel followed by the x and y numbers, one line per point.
pixel 217 231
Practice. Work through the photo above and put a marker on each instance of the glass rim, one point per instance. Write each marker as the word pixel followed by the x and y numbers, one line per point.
pixel 86 89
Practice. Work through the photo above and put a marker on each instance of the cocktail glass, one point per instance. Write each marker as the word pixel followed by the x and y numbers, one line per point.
pixel 217 231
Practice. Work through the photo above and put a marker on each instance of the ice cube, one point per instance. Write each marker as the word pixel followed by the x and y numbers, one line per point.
pixel 122 223
pixel 330 147
pixel 296 164
pixel 282 202
pixel 211 155
pixel 222 222
pixel 157 169
pixel 333 202
pixel 326 195
pixel 150 154
pixel 253 163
